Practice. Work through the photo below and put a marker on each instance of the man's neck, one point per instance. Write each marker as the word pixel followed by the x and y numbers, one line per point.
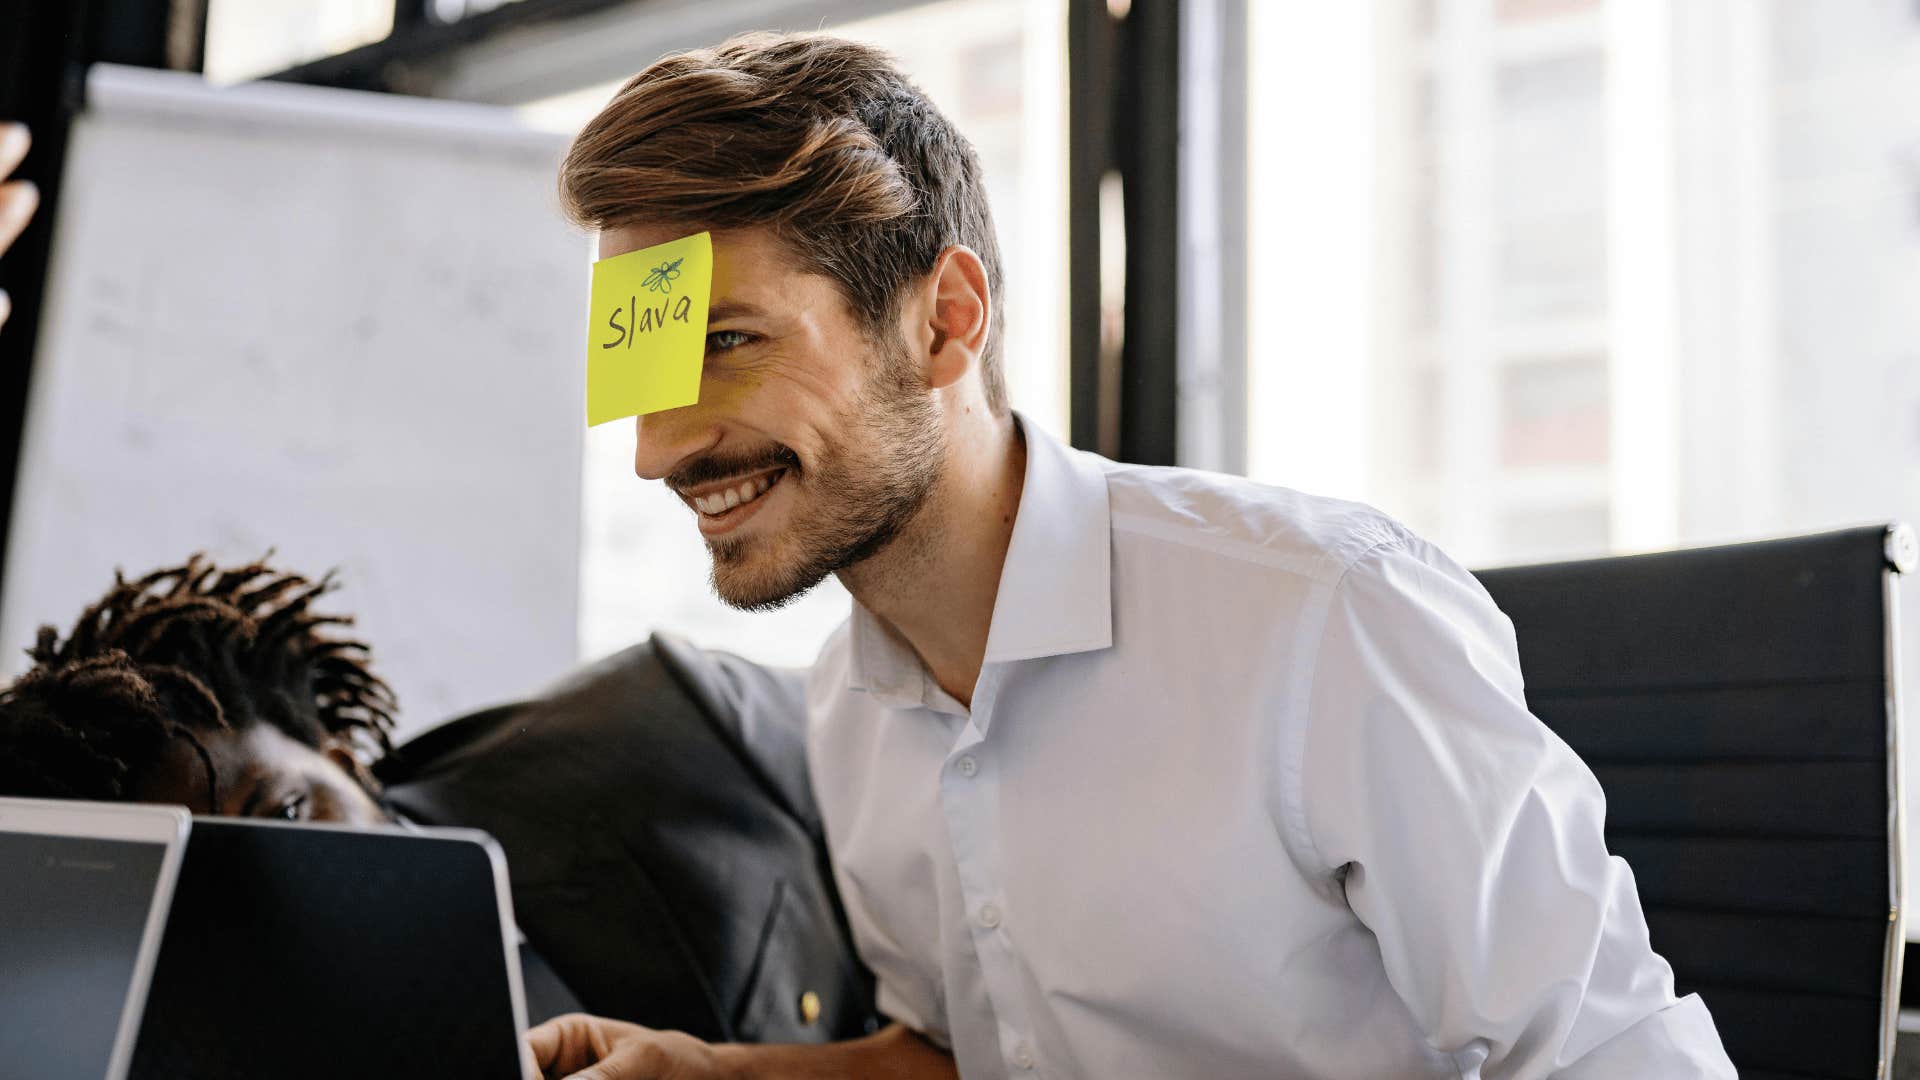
pixel 935 583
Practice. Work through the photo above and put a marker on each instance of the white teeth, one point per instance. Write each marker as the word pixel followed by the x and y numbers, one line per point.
pixel 748 491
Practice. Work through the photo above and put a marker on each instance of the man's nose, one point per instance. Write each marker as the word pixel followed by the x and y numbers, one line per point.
pixel 665 439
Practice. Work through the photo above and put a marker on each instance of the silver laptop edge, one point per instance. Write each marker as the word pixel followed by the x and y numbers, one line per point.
pixel 159 904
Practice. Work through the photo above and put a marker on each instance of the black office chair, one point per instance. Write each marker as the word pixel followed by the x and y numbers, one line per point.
pixel 1737 705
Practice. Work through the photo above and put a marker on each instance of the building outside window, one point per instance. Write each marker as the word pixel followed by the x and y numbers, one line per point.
pixel 1557 278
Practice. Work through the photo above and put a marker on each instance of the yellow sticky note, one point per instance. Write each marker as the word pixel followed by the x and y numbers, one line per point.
pixel 648 332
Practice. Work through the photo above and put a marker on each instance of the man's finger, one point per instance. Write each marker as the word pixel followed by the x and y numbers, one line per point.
pixel 545 1042
pixel 634 1059
pixel 14 142
pixel 18 201
pixel 562 1043
pixel 577 1040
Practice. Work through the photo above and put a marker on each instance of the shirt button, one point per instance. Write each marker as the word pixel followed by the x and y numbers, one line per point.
pixel 968 766
pixel 989 916
pixel 1023 1056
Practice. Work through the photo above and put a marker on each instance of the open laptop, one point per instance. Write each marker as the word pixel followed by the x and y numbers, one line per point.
pixel 298 951
pixel 84 889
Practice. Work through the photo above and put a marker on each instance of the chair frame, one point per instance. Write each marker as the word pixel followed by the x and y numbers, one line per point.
pixel 1903 557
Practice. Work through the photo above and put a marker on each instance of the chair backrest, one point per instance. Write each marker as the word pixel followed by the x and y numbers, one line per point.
pixel 1737 705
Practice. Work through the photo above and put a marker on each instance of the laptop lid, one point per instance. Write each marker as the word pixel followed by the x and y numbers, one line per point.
pixel 299 950
pixel 84 889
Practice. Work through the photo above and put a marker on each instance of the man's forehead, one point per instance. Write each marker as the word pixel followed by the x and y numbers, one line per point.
pixel 620 239
pixel 735 246
pixel 748 264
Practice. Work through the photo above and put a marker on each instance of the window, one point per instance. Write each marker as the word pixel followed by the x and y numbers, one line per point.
pixel 250 38
pixel 447 11
pixel 1552 278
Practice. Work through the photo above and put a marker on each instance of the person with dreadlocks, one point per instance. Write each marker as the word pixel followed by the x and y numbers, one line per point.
pixel 215 689
pixel 677 771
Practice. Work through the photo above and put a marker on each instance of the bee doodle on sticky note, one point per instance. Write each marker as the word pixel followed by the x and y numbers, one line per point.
pixel 660 278
pixel 648 329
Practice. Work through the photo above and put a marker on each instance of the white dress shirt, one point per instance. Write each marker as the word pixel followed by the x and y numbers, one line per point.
pixel 1248 788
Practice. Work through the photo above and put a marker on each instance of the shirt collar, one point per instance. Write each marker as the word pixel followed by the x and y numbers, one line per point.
pixel 1056 585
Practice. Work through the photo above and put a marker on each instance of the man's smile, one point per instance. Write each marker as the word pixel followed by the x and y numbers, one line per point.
pixel 722 507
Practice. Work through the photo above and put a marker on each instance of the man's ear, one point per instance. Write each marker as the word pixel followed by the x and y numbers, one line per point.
pixel 961 312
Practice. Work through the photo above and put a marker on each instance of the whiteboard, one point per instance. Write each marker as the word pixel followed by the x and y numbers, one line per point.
pixel 346 326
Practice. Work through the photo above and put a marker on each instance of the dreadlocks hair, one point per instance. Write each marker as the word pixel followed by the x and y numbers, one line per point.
pixel 185 650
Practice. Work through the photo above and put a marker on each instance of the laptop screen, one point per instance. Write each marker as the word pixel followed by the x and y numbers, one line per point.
pixel 75 910
pixel 315 953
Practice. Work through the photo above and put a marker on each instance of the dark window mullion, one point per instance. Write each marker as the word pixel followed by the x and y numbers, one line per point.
pixel 1124 106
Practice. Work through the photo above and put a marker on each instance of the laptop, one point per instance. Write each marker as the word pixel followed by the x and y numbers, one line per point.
pixel 299 951
pixel 84 890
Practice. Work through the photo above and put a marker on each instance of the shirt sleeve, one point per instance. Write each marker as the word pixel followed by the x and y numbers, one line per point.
pixel 1467 838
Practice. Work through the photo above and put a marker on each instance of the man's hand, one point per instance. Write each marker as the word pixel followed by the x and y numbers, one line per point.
pixel 17 200
pixel 583 1047
pixel 577 1047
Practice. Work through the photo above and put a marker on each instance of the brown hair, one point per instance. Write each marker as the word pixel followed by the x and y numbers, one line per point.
pixel 820 139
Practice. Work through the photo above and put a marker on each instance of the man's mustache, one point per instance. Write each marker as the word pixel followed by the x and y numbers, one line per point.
pixel 714 467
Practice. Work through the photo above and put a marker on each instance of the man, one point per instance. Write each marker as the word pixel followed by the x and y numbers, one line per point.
pixel 1126 772
pixel 677 773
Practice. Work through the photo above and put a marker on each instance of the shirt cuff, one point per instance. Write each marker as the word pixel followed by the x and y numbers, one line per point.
pixel 1678 1042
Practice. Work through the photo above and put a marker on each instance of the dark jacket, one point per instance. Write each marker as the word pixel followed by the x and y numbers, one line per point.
pixel 666 856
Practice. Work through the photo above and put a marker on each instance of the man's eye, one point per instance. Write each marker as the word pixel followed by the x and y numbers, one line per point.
pixel 723 340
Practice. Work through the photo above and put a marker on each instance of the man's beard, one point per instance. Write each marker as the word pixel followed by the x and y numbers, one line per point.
pixel 851 502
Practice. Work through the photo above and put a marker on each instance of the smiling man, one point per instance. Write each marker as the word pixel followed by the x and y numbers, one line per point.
pixel 1125 772
pixel 827 462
